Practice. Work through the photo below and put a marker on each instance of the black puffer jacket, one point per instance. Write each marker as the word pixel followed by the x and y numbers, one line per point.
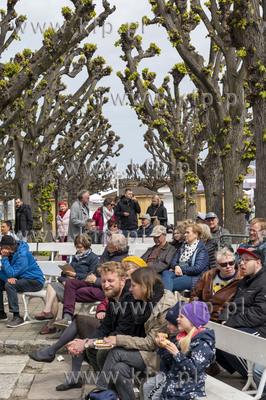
pixel 132 207
pixel 248 306
pixel 160 212
pixel 118 317
pixel 24 221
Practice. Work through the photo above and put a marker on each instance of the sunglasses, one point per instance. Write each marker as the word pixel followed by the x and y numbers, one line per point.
pixel 223 265
pixel 112 205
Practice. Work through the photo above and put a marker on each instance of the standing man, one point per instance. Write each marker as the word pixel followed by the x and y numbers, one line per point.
pixel 247 310
pixel 79 213
pixel 256 232
pixel 217 231
pixel 127 210
pixel 23 220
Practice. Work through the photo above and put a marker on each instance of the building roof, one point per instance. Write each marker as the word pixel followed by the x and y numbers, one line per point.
pixel 137 191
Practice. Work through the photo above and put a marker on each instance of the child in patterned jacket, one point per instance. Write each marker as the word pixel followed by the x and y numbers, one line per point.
pixel 184 359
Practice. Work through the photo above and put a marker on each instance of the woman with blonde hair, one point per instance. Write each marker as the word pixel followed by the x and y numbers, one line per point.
pixel 157 211
pixel 178 235
pixel 189 263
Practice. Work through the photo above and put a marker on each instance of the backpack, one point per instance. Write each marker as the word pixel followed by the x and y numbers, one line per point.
pixel 96 394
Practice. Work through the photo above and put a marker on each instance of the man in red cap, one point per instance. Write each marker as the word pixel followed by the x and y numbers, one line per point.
pixel 247 311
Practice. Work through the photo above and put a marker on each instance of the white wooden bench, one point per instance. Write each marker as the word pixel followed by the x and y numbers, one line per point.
pixel 217 390
pixel 241 344
pixel 68 249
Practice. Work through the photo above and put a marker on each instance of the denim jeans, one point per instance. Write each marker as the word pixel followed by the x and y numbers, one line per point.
pixel 257 374
pixel 12 290
pixel 118 371
pixel 173 282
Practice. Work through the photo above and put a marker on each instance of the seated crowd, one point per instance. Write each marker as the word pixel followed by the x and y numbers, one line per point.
pixel 137 307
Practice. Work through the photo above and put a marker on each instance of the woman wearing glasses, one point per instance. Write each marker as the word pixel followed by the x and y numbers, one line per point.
pixel 218 285
pixel 83 262
pixel 112 229
pixel 104 214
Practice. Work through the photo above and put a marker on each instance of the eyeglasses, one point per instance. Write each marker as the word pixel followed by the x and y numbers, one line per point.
pixel 246 260
pixel 115 226
pixel 223 265
pixel 112 205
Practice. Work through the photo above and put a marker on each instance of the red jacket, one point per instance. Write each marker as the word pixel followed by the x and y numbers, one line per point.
pixel 98 218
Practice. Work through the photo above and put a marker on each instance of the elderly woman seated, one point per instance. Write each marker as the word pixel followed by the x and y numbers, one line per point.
pixel 83 263
pixel 189 263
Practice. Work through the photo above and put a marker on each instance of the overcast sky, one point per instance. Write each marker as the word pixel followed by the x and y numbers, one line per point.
pixel 42 13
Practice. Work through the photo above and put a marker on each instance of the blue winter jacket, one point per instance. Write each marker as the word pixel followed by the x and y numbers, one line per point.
pixel 22 265
pixel 200 262
pixel 185 373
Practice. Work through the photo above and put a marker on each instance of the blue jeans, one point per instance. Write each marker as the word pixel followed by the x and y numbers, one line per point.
pixel 257 374
pixel 173 282
pixel 12 290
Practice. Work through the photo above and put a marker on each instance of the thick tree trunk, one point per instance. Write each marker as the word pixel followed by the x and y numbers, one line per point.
pixel 178 192
pixel 233 193
pixel 213 181
pixel 259 111
pixel 191 200
pixel 22 184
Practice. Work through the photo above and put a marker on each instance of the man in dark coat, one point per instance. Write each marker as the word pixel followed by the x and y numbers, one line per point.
pixel 127 210
pixel 118 320
pixel 247 311
pixel 23 220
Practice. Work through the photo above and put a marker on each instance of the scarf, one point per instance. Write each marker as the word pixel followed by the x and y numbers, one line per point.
pixel 82 255
pixel 188 251
pixel 62 213
pixel 108 214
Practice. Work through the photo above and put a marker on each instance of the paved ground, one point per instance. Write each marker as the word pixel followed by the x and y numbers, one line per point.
pixel 24 379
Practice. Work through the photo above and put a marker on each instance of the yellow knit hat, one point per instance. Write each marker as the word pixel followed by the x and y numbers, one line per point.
pixel 136 260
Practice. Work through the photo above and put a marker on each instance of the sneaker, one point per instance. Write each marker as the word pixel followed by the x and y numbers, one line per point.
pixel 47 330
pixel 3 317
pixel 16 321
pixel 62 323
pixel 44 315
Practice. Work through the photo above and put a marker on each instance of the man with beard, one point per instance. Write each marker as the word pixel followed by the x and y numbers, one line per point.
pixel 80 336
